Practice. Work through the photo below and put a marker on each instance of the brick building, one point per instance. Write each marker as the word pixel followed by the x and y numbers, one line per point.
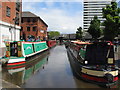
pixel 10 20
pixel 33 27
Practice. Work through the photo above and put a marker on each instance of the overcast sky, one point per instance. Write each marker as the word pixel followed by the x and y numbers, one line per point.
pixel 64 16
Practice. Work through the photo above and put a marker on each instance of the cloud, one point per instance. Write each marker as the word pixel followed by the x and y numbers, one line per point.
pixel 52 0
pixel 57 19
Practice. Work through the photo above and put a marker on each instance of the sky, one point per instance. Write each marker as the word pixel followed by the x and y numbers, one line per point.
pixel 64 16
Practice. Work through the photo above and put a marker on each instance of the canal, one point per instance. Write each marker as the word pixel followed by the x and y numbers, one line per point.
pixel 53 70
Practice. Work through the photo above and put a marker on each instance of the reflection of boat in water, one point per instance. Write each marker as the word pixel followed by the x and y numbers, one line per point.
pixel 18 76
pixel 19 52
pixel 11 71
pixel 93 62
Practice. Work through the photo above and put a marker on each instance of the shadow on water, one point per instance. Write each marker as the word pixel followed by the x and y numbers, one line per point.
pixel 19 76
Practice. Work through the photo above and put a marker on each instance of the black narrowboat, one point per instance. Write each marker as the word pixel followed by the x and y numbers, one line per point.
pixel 93 62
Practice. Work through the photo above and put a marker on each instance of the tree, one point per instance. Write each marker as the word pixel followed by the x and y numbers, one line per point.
pixel 79 33
pixel 94 29
pixel 112 22
pixel 53 34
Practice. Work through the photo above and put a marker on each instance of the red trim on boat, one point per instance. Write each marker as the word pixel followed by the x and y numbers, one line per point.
pixel 16 63
pixel 97 78
pixel 16 67
pixel 33 42
pixel 115 78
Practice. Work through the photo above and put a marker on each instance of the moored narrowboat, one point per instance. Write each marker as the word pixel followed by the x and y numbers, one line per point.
pixel 19 52
pixel 93 62
pixel 51 43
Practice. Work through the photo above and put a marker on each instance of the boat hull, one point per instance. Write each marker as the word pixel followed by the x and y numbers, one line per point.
pixel 14 63
pixel 51 43
pixel 89 75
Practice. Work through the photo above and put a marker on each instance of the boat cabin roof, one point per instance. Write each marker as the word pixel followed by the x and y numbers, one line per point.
pixel 80 42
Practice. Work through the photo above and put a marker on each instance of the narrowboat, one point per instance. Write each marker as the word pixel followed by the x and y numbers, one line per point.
pixel 51 43
pixel 19 52
pixel 93 62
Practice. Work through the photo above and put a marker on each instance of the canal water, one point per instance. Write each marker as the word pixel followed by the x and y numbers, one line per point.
pixel 53 70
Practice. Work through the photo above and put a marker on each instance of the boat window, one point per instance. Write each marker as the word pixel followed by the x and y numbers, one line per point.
pixel 13 51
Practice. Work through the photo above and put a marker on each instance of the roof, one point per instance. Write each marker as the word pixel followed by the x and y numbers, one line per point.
pixel 81 42
pixel 69 36
pixel 28 14
pixel 31 15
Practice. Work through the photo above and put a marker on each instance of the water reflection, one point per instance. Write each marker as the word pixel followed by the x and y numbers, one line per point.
pixel 19 76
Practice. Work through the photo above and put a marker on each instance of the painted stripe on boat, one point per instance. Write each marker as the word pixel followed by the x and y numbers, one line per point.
pixel 98 73
pixel 16 63
pixel 34 42
pixel 98 79
pixel 16 60
pixel 16 67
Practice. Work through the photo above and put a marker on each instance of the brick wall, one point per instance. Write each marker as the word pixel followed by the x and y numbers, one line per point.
pixel 41 28
pixel 13 11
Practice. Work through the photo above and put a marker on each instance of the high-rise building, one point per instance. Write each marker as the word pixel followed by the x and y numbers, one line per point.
pixel 93 8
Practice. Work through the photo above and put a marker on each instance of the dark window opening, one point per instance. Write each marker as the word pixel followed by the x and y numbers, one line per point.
pixel 17 18
pixel 28 20
pixel 7 11
pixel 22 20
pixel 28 28
pixel 34 20
pixel 34 28
pixel 18 6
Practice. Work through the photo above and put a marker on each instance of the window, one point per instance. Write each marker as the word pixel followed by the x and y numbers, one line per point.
pixel 18 6
pixel 22 20
pixel 17 18
pixel 28 20
pixel 7 11
pixel 28 28
pixel 34 20
pixel 34 28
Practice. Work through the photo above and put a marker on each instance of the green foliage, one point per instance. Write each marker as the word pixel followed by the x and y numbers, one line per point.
pixel 79 33
pixel 53 34
pixel 112 22
pixel 94 28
